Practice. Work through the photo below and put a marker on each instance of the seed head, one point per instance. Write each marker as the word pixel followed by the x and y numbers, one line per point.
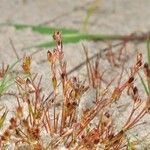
pixel 131 79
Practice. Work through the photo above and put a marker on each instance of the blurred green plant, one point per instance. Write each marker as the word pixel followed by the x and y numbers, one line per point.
pixel 148 50
pixel 7 81
pixel 146 85
pixel 73 35
pixel 3 117
pixel 90 11
pixel 130 146
pixel 69 35
pixel 43 29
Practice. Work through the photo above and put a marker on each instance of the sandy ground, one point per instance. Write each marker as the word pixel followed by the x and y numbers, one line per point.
pixel 111 17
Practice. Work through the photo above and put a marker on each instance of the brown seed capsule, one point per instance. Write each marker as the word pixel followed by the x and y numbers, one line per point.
pixel 57 36
pixel 5 135
pixel 20 80
pixel 146 65
pixel 139 63
pixel 13 122
pixel 49 56
pixel 68 104
pixel 19 111
pixel 3 138
pixel 82 136
pixel 74 104
pixel 54 82
pixel 18 133
pixel 96 141
pixel 25 123
pixel 63 75
pixel 131 79
pixel 135 90
pixel 26 64
pixel 3 70
pixel 107 115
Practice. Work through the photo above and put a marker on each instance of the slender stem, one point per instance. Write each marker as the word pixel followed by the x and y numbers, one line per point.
pixel 14 49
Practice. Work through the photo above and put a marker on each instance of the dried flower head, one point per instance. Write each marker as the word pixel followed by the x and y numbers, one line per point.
pixel 26 64
pixel 19 80
pixel 13 122
pixel 3 70
pixel 19 112
pixel 57 36
pixel 49 56
pixel 58 39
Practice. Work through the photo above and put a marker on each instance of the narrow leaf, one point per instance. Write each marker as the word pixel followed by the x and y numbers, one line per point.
pixel 148 50
pixel 2 118
pixel 144 85
pixel 42 29
pixel 75 38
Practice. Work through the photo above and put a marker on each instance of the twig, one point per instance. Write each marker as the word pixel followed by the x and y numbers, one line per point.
pixel 14 49
pixel 124 39
pixel 92 57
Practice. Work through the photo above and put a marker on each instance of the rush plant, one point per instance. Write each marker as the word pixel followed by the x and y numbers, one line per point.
pixel 41 123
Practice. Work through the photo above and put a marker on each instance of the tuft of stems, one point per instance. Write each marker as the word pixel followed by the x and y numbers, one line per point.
pixel 63 123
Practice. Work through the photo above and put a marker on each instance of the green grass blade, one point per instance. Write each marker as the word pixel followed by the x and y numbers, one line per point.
pixel 5 83
pixel 43 29
pixel 2 118
pixel 89 13
pixel 148 50
pixel 9 69
pixel 144 85
pixel 130 146
pixel 68 33
pixel 75 38
pixel 13 65
pixel 2 108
